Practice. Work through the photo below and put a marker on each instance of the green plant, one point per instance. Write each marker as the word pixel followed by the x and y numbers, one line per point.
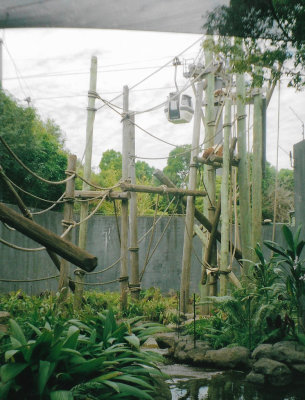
pixel 65 361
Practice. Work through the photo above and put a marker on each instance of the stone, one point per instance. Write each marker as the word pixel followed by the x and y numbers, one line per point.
pixel 150 343
pixel 263 350
pixel 299 368
pixel 277 373
pixel 255 378
pixel 166 340
pixel 4 317
pixel 290 352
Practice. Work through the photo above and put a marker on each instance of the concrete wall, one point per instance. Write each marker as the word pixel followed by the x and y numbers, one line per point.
pixel 163 270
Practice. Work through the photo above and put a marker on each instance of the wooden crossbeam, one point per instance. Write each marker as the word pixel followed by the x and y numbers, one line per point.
pixel 89 194
pixel 161 190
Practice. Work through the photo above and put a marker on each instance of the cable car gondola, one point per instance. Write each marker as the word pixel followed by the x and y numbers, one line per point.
pixel 179 110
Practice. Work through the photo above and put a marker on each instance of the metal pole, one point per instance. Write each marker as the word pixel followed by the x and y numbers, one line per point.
pixel 190 206
pixel 257 173
pixel 124 209
pixel 82 238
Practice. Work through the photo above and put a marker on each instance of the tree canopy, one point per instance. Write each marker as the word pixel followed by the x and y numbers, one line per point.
pixel 279 22
pixel 38 144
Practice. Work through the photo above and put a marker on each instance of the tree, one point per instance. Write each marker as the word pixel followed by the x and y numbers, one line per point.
pixel 38 144
pixel 279 22
pixel 178 165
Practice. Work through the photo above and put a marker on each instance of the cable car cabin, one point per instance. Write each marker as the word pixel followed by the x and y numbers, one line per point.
pixel 179 110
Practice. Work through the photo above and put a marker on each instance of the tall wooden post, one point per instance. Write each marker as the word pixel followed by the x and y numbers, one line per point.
pixel 257 173
pixel 124 209
pixel 209 171
pixel 82 238
pixel 133 220
pixel 190 207
pixel 243 182
pixel 68 219
pixel 224 251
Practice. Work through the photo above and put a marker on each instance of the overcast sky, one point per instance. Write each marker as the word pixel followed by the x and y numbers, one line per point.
pixel 51 66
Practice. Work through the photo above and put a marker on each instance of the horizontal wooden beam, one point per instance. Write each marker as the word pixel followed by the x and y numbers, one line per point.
pixel 161 190
pixel 50 240
pixel 90 194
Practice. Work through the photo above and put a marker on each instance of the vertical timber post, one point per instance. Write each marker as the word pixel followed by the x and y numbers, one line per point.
pixel 1 64
pixel 224 251
pixel 190 207
pixel 124 209
pixel 243 182
pixel 257 173
pixel 133 220
pixel 209 171
pixel 82 238
pixel 63 285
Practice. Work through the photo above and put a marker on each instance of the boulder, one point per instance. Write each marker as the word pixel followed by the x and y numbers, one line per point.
pixel 255 378
pixel 276 373
pixel 150 343
pixel 228 357
pixel 166 340
pixel 262 351
pixel 289 352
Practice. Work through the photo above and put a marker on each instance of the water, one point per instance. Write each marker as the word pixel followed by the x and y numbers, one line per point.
pixel 188 383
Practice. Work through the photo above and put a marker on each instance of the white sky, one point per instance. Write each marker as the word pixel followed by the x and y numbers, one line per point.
pixel 53 68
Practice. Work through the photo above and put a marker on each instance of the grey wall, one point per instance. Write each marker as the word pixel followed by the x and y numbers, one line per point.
pixel 163 270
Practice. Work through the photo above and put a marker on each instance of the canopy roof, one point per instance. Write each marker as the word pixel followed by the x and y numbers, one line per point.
pixel 182 16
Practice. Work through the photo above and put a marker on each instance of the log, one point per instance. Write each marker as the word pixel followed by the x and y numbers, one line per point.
pixel 161 190
pixel 216 161
pixel 53 242
pixel 198 215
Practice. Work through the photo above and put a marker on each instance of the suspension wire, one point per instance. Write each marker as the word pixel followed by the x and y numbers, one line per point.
pixel 10 151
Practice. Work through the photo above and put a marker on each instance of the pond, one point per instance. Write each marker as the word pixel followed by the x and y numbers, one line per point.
pixel 189 383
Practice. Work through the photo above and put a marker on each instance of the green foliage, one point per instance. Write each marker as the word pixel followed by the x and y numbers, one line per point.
pixel 39 145
pixel 98 359
pixel 178 165
pixel 278 22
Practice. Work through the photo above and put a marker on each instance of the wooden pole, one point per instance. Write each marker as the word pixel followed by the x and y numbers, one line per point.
pixel 190 206
pixel 55 243
pixel 224 251
pixel 82 236
pixel 257 174
pixel 209 170
pixel 135 286
pixel 63 283
pixel 243 182
pixel 124 208
pixel 27 214
pixel 198 215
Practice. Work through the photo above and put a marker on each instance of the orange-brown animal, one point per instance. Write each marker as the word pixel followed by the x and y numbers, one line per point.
pixel 216 150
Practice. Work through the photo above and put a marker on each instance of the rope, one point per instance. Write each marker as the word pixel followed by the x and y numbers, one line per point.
pixel 98 283
pixel 50 208
pixel 29 280
pixel 105 269
pixel 94 185
pixel 33 195
pixel 10 151
pixel 15 247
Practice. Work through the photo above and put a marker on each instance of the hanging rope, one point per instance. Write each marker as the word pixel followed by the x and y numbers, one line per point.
pixel 10 151
pixel 29 280
pixel 49 208
pixel 105 269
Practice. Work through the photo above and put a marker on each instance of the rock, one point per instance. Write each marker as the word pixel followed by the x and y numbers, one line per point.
pixel 289 352
pixel 228 357
pixel 263 350
pixel 150 343
pixel 4 317
pixel 255 378
pixel 166 340
pixel 299 368
pixel 277 373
